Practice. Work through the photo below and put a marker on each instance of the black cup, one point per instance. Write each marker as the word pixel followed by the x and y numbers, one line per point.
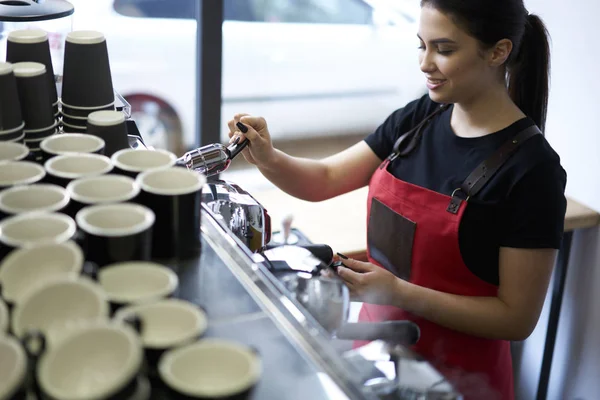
pixel 13 135
pixel 186 323
pixel 33 228
pixel 111 233
pixel 37 197
pixel 221 356
pixel 80 354
pixel 40 134
pixel 174 195
pixel 13 375
pixel 110 126
pixel 13 151
pixel 74 121
pixel 83 112
pixel 73 128
pixel 104 189
pixel 68 143
pixel 87 80
pixel 19 139
pixel 131 162
pixel 32 45
pixel 13 173
pixel 61 170
pixel 34 95
pixel 10 106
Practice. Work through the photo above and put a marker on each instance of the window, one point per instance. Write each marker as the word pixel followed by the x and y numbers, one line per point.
pixel 353 12
pixel 177 9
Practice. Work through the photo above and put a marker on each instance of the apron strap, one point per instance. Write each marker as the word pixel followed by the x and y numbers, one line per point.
pixel 408 141
pixel 488 168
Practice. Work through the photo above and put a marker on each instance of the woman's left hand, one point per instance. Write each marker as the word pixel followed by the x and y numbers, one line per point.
pixel 369 283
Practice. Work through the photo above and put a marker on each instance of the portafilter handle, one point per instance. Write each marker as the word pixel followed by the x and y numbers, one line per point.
pixel 211 159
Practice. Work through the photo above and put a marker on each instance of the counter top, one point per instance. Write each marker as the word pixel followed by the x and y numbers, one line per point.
pixel 341 222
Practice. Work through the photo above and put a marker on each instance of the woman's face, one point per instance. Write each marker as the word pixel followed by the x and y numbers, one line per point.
pixel 455 68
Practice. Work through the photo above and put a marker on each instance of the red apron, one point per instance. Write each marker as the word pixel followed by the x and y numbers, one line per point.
pixel 479 368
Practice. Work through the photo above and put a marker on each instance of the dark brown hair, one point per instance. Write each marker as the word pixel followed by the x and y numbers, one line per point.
pixel 528 66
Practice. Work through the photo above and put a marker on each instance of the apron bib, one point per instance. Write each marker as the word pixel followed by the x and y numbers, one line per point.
pixel 413 232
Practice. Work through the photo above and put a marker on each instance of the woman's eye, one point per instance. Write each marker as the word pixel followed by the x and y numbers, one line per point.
pixel 445 52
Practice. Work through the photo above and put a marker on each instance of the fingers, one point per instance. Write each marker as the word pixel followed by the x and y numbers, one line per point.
pixel 358 266
pixel 232 123
pixel 349 277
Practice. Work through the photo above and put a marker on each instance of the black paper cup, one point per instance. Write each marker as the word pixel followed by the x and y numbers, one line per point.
pixel 19 139
pixel 34 95
pixel 25 269
pixel 12 151
pixel 74 121
pixel 13 374
pixel 32 45
pixel 73 128
pixel 35 134
pixel 36 197
pixel 34 228
pixel 68 143
pixel 14 173
pixel 10 106
pixel 106 356
pixel 62 169
pixel 13 134
pixel 174 195
pixel 112 233
pixel 165 324
pixel 137 282
pixel 104 189
pixel 87 80
pixel 224 369
pixel 110 126
pixel 74 111
pixel 131 162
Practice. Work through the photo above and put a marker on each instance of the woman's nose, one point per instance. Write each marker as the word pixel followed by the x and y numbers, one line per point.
pixel 426 62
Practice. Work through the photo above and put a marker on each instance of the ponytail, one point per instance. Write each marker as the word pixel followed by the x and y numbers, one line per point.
pixel 529 72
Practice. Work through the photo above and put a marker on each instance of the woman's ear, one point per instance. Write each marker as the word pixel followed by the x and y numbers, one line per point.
pixel 500 52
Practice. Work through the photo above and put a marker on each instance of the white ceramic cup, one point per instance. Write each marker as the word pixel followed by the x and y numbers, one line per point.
pixel 58 307
pixel 13 368
pixel 96 361
pixel 25 269
pixel 221 368
pixel 166 323
pixel 137 282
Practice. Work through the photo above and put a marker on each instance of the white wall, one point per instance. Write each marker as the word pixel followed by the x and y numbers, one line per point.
pixel 573 128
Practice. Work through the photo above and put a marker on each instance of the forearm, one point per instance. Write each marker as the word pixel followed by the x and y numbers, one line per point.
pixel 300 177
pixel 487 317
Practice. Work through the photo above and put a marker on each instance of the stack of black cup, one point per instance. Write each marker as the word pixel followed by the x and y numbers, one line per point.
pixel 87 81
pixel 32 45
pixel 36 107
pixel 11 119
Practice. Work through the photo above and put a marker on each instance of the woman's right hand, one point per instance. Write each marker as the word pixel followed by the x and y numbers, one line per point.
pixel 259 151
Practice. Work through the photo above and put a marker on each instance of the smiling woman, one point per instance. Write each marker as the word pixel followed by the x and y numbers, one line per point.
pixel 466 200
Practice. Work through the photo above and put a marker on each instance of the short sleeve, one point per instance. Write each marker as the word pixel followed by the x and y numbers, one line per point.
pixel 402 120
pixel 535 211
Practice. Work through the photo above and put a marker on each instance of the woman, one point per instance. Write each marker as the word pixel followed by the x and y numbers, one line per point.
pixel 466 197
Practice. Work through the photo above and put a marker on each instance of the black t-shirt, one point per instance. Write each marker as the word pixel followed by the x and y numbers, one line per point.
pixel 522 206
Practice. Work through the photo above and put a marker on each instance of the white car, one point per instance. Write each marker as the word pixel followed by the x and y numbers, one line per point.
pixel 310 67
